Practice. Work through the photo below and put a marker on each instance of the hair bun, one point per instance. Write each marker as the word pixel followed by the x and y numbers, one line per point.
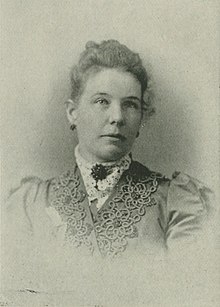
pixel 91 44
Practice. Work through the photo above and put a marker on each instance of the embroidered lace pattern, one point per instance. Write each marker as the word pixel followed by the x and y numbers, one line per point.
pixel 116 223
pixel 67 198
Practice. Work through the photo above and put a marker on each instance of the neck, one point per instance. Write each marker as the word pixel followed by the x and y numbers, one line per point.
pixel 92 161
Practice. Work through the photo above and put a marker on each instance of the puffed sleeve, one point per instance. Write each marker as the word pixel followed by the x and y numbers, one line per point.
pixel 17 230
pixel 26 230
pixel 16 216
pixel 189 208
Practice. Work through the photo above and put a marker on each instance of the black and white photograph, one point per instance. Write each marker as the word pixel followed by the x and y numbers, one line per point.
pixel 110 153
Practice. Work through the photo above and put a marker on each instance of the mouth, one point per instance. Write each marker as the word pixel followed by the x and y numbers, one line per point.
pixel 115 136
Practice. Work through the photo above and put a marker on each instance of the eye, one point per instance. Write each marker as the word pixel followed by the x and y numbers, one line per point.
pixel 102 101
pixel 131 104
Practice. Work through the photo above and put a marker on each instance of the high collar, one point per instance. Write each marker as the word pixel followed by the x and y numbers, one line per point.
pixel 104 187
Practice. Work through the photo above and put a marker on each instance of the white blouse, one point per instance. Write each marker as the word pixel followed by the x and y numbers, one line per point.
pixel 99 195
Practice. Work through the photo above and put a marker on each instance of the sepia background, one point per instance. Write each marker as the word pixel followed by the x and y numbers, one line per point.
pixel 177 40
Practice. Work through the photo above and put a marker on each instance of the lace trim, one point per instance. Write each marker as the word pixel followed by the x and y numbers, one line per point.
pixel 66 200
pixel 105 186
pixel 114 224
pixel 117 222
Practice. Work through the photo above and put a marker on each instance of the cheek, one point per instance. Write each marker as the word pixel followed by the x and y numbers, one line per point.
pixel 134 122
pixel 83 117
pixel 87 125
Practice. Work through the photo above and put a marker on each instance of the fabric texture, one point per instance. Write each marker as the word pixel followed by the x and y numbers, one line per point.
pixel 144 211
pixel 56 240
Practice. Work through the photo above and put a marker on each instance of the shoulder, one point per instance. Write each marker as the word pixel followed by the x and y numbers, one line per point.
pixel 28 197
pixel 27 207
pixel 179 190
pixel 190 214
pixel 27 189
pixel 186 192
pixel 186 205
pixel 139 171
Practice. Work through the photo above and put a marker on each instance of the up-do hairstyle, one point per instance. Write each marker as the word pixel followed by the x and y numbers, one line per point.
pixel 110 54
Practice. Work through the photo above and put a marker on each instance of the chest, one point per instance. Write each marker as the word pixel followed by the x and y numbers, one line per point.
pixel 129 219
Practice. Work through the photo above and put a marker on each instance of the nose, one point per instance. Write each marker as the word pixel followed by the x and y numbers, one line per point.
pixel 116 115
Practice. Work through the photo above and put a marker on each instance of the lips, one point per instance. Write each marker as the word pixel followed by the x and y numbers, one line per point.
pixel 116 136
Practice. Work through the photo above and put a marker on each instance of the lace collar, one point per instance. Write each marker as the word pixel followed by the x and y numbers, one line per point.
pixel 106 185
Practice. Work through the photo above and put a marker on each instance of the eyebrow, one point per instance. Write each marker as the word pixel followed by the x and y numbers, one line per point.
pixel 129 97
pixel 133 97
pixel 103 94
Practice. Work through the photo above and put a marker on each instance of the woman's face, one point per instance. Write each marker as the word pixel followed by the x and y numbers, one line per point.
pixel 108 115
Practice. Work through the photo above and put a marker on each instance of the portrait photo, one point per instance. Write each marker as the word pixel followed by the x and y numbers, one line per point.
pixel 110 153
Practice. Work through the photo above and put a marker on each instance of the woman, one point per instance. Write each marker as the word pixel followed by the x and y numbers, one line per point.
pixel 108 204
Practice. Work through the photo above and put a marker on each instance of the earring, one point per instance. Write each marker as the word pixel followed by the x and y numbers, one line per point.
pixel 137 135
pixel 69 100
pixel 72 127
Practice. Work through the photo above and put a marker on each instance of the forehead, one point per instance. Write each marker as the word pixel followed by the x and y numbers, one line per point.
pixel 113 82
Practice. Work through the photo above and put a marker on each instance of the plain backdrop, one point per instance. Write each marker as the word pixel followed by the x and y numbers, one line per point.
pixel 178 41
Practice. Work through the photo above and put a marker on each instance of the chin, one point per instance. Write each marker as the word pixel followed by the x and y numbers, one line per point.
pixel 111 155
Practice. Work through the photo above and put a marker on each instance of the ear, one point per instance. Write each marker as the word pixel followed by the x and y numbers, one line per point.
pixel 71 111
